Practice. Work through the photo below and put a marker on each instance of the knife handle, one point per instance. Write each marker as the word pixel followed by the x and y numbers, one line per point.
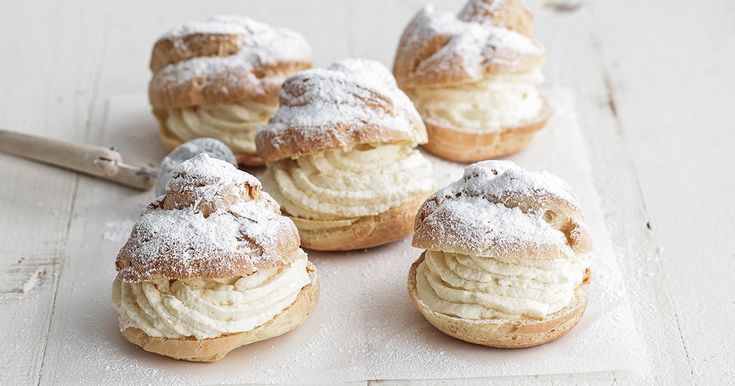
pixel 89 159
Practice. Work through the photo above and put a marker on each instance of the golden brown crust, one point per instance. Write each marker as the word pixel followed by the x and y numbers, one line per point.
pixel 225 59
pixel 296 142
pixel 367 232
pixel 214 349
pixel 214 221
pixel 170 49
pixel 501 333
pixel 251 160
pixel 352 102
pixel 230 85
pixel 472 146
pixel 441 49
pixel 510 14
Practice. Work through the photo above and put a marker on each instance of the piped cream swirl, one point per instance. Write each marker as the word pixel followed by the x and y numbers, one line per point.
pixel 342 186
pixel 232 123
pixel 206 308
pixel 473 287
pixel 492 104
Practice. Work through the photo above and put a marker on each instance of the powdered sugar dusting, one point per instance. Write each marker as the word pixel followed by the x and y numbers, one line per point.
pixel 479 7
pixel 339 93
pixel 33 281
pixel 354 93
pixel 499 178
pixel 220 24
pixel 466 44
pixel 186 233
pixel 206 173
pixel 498 209
pixel 469 46
pixel 210 146
pixel 213 222
pixel 260 45
pixel 489 229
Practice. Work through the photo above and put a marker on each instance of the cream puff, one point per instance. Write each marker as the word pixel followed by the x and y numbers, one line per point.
pixel 210 266
pixel 506 255
pixel 220 78
pixel 341 156
pixel 474 78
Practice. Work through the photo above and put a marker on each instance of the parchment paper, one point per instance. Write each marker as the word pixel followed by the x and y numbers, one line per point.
pixel 365 326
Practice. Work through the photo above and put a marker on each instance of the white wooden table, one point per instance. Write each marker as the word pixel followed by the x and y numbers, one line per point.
pixel 655 92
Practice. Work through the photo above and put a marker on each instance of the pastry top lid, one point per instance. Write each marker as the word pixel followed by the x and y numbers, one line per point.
pixel 223 59
pixel 351 102
pixel 498 209
pixel 508 14
pixel 487 38
pixel 213 222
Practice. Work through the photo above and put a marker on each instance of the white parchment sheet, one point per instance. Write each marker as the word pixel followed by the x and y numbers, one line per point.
pixel 365 326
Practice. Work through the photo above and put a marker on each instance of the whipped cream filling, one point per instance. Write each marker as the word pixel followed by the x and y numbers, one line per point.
pixel 207 308
pixel 232 123
pixel 335 188
pixel 474 287
pixel 499 102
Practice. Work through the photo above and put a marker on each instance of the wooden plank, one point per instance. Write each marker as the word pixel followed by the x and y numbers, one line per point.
pixel 673 91
pixel 583 67
pixel 48 76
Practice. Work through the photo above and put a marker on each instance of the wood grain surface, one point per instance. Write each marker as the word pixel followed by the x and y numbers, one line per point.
pixel 655 94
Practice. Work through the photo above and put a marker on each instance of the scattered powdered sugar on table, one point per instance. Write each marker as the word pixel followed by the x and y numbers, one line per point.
pixel 24 286
pixel 33 281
